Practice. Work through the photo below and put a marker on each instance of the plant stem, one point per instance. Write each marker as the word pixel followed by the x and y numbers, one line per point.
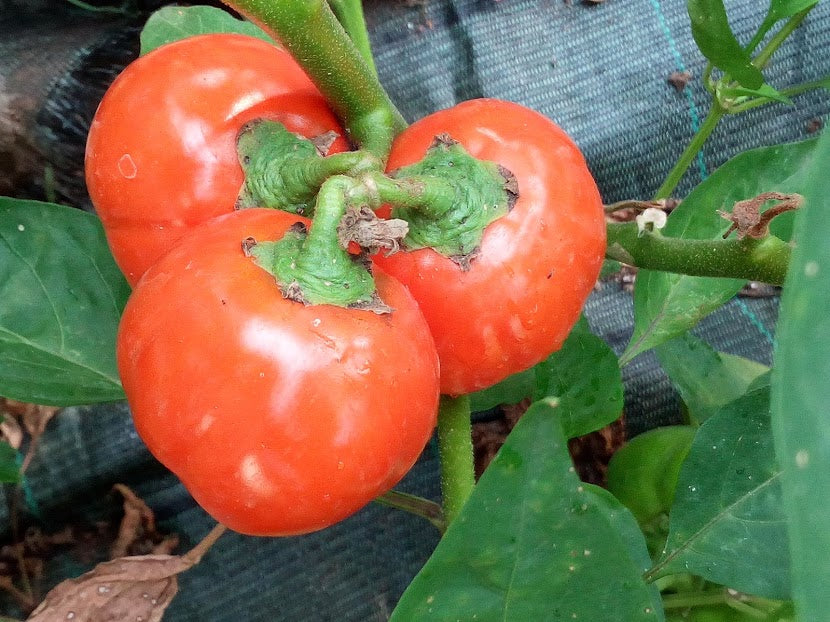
pixel 350 15
pixel 285 171
pixel 325 270
pixel 686 158
pixel 687 600
pixel 418 506
pixel 315 172
pixel 796 89
pixel 194 555
pixel 757 260
pixel 310 30
pixel 787 29
pixel 312 266
pixel 455 445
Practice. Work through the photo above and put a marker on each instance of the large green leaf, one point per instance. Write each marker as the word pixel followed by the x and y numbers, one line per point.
pixel 62 297
pixel 667 305
pixel 534 543
pixel 584 375
pixel 727 524
pixel 172 23
pixel 801 395
pixel 706 379
pixel 714 37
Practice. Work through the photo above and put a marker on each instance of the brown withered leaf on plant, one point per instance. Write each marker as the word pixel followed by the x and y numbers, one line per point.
pixel 129 588
pixel 138 533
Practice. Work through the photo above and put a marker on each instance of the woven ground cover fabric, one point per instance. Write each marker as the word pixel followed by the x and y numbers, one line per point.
pixel 598 70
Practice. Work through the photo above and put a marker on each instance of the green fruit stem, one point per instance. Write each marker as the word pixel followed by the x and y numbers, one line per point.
pixel 285 171
pixel 311 266
pixel 311 32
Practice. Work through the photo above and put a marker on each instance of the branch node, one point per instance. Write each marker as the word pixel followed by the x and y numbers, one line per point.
pixel 748 220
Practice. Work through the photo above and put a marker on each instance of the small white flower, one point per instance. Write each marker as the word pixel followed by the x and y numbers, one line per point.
pixel 650 219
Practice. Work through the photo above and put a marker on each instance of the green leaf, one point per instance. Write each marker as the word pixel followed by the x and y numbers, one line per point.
pixel 801 394
pixel 667 305
pixel 173 23
pixel 714 37
pixel 512 390
pixel 643 473
pixel 706 379
pixel 62 299
pixel 782 9
pixel 766 91
pixel 778 10
pixel 9 467
pixel 727 524
pixel 585 377
pixel 534 542
pixel 609 267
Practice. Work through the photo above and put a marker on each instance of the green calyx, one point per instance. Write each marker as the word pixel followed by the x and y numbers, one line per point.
pixel 285 171
pixel 276 163
pixel 341 281
pixel 477 193
pixel 313 266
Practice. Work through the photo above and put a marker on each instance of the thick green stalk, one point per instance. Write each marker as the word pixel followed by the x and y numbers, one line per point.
pixel 676 174
pixel 455 445
pixel 311 32
pixel 763 260
pixel 350 15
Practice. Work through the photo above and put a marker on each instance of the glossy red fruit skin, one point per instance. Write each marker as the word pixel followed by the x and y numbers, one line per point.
pixel 537 265
pixel 161 153
pixel 279 418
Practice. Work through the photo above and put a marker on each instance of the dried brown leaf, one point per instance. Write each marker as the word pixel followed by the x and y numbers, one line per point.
pixel 127 589
pixel 362 226
pixel 138 522
pixel 748 220
pixel 166 546
pixel 36 418
pixel 12 432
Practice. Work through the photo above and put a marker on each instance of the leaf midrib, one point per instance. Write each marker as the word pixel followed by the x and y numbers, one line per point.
pixel 654 572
